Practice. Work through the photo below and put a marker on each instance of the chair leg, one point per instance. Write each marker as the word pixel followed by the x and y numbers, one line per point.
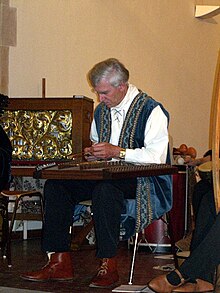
pixel 13 217
pixel 81 236
pixel 9 233
pixel 8 243
pixel 5 243
pixel 172 241
pixel 42 208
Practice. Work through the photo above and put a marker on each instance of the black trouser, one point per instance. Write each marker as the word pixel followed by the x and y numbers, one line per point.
pixel 107 201
pixel 201 188
pixel 205 245
pixel 204 210
pixel 206 257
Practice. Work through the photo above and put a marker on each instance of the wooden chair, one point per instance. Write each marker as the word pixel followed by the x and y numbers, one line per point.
pixel 16 197
pixel 81 235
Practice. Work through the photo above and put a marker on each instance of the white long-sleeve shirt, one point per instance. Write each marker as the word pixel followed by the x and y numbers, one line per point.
pixel 156 132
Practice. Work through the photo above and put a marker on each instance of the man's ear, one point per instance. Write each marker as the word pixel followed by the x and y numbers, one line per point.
pixel 122 86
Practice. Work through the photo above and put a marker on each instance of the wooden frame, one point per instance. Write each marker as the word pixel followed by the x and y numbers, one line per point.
pixel 216 135
pixel 81 108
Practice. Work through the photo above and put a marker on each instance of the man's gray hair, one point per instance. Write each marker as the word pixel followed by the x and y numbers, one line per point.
pixel 111 70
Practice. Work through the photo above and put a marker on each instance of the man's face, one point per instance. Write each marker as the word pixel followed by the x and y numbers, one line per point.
pixel 110 95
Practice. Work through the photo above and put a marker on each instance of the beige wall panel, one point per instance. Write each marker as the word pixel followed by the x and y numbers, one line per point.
pixel 8 24
pixel 5 2
pixel 171 54
pixel 4 58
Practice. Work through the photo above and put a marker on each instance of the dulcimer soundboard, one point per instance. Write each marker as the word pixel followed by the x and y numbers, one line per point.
pixel 102 170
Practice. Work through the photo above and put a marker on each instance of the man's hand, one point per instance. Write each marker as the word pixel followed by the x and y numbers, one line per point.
pixel 102 150
pixel 88 154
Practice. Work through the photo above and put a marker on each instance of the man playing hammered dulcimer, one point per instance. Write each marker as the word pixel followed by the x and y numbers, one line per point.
pixel 128 125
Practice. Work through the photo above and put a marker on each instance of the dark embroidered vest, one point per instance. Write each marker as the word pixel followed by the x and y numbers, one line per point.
pixel 153 194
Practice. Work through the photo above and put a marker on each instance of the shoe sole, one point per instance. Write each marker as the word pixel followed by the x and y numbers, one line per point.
pixel 103 287
pixel 155 291
pixel 204 291
pixel 47 280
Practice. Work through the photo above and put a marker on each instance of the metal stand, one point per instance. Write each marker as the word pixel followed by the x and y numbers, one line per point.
pixel 130 287
pixel 133 259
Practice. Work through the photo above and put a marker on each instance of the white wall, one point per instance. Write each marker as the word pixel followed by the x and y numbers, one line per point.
pixel 171 54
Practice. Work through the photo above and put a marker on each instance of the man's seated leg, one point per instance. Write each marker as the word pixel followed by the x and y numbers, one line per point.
pixel 197 271
pixel 206 216
pixel 60 198
pixel 108 199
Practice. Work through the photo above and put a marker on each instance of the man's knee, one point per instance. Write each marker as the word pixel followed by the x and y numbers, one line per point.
pixel 105 193
pixel 49 185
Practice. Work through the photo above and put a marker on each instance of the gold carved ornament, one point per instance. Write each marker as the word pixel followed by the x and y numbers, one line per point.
pixel 39 135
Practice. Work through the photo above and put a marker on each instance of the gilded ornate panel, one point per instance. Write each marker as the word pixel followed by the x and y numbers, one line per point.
pixel 39 135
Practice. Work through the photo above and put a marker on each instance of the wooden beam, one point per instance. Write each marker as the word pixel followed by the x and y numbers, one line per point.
pixel 216 135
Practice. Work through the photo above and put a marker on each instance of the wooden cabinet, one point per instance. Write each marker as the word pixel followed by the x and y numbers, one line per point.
pixel 48 128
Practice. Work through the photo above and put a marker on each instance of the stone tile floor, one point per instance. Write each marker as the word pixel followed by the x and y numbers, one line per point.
pixel 26 256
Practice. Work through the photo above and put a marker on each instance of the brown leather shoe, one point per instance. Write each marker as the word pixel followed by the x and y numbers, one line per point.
pixel 107 275
pixel 199 286
pixel 160 284
pixel 58 268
